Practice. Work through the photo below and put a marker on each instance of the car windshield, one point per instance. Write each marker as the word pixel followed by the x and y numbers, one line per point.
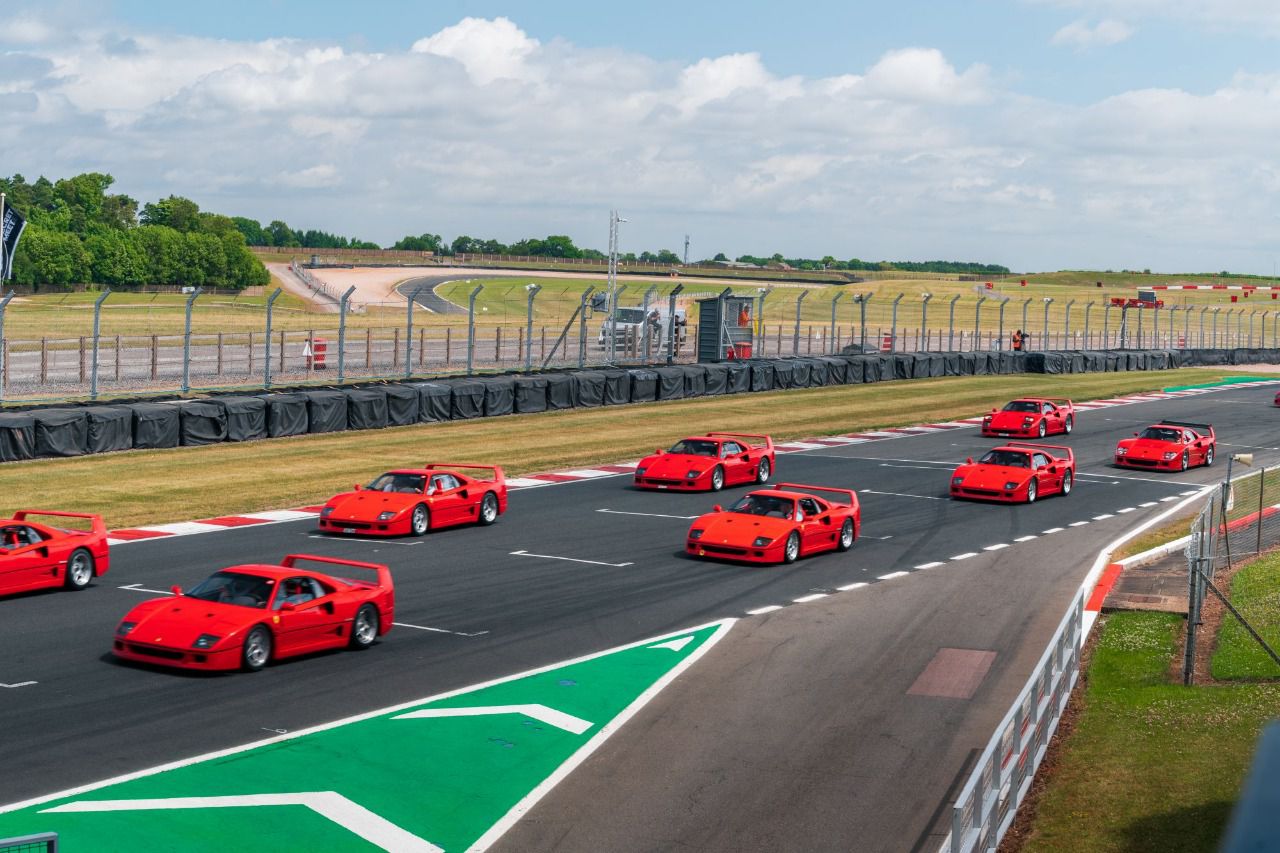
pixel 1009 458
pixel 235 588
pixel 407 483
pixel 696 447
pixel 1162 434
pixel 764 505
pixel 629 315
pixel 1022 406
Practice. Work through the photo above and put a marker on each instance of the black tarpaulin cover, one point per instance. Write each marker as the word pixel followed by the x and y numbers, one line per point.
pixel 560 390
pixel 800 370
pixel 739 377
pixel 903 366
pixel 762 373
pixel 246 417
pixel 716 378
pixel 783 372
pixel 817 372
pixel 109 428
pixel 468 399
pixel 155 425
pixel 61 432
pixel 287 414
pixel 531 394
pixel 435 401
pixel 837 369
pixel 644 386
pixel 1159 360
pixel 499 396
pixel 1041 362
pixel 617 387
pixel 202 422
pixel 932 364
pixel 17 437
pixel 366 408
pixel 695 380
pixel 326 411
pixel 670 382
pixel 953 364
pixel 402 405
pixel 588 389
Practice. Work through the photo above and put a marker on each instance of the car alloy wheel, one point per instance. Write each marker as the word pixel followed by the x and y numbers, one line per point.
pixel 791 550
pixel 717 479
pixel 257 649
pixel 1186 460
pixel 420 520
pixel 1068 425
pixel 1067 479
pixel 489 508
pixel 1208 456
pixel 1042 430
pixel 763 471
pixel 1031 490
pixel 846 535
pixel 79 569
pixel 364 628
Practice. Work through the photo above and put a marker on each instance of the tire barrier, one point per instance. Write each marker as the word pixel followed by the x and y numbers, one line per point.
pixel 73 430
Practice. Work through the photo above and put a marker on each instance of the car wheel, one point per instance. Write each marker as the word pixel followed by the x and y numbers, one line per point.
pixel 489 508
pixel 717 479
pixel 79 569
pixel 1042 429
pixel 1067 483
pixel 257 649
pixel 1208 456
pixel 420 520
pixel 1185 462
pixel 845 541
pixel 1031 490
pixel 1068 425
pixel 763 471
pixel 364 628
pixel 791 550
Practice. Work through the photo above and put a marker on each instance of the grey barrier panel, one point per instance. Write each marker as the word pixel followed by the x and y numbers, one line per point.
pixel 366 408
pixel 499 396
pixel 435 401
pixel 201 422
pixel 836 367
pixel 783 373
pixel 644 386
pixel 903 366
pixel 738 377
pixel 287 414
pixel 801 368
pixel 588 389
pixel 246 417
pixel 530 394
pixel 468 399
pixel 670 382
pixel 402 405
pixel 715 379
pixel 109 428
pixel 695 380
pixel 17 437
pixel 326 411
pixel 617 387
pixel 817 372
pixel 762 376
pixel 61 432
pixel 1255 821
pixel 560 390
pixel 155 425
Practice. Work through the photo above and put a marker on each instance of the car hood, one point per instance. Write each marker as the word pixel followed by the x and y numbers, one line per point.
pixel 676 465
pixel 1012 420
pixel 178 620
pixel 734 528
pixel 991 476
pixel 1150 448
pixel 366 506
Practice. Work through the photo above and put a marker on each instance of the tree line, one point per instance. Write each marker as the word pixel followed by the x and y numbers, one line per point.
pixel 77 231
pixel 856 264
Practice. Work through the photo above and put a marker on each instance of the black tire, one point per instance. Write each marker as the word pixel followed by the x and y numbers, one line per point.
pixel 717 478
pixel 847 536
pixel 1208 456
pixel 1068 425
pixel 1186 461
pixel 80 569
pixel 1067 482
pixel 1032 490
pixel 419 520
pixel 256 652
pixel 763 471
pixel 1042 430
pixel 364 627
pixel 791 550
pixel 488 508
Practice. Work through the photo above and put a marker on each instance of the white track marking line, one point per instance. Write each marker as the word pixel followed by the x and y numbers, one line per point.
pixel 17 684
pixel 917 467
pixel 182 528
pixel 1147 504
pixel 1077 524
pixel 541 713
pixel 440 630
pixel 1052 530
pixel 849 586
pixel 137 587
pixel 588 473
pixel 767 609
pixel 1188 494
pixel 1169 498
pixel 1135 479
pixel 1104 516
pixel 932 565
pixel 996 547
pixel 570 559
pixel 805 599
pixel 1027 538
pixel 891 576
pixel 648 514
pixel 966 555
pixel 1126 509
pixel 525 482
pixel 279 515
pixel 362 541
pixel 901 495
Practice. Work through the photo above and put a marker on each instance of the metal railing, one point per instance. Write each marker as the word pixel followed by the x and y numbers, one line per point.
pixel 43 842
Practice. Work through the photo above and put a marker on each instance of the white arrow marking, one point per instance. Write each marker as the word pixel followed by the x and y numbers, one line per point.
pixel 337 808
pixel 541 713
pixel 570 559
pixel 137 587
pixel 18 684
pixel 674 645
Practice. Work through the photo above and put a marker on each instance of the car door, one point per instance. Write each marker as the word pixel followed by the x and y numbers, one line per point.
pixel 448 501
pixel 304 616
pixel 817 531
pixel 736 461
pixel 1199 447
pixel 1052 416
pixel 25 560
pixel 1046 480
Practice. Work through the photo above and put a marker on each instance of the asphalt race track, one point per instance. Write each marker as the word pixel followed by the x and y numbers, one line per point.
pixel 797 732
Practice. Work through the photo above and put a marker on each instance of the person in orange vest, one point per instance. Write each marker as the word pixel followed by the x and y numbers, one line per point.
pixel 744 316
pixel 1017 341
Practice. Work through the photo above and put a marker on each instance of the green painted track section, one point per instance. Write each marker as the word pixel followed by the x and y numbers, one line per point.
pixel 1229 380
pixel 442 781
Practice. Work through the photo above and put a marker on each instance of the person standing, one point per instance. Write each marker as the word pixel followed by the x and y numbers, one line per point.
pixel 1017 341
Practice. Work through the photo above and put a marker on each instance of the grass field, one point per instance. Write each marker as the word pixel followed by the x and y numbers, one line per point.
pixel 139 487
pixel 1255 592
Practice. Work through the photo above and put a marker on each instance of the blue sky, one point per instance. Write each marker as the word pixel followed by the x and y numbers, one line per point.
pixel 1041 134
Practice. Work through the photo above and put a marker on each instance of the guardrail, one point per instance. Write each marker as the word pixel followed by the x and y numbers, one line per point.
pixel 44 842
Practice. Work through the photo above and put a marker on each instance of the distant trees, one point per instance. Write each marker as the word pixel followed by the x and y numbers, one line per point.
pixel 77 231
pixel 278 234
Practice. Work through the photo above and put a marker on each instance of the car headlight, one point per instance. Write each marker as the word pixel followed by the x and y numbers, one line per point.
pixel 695 534
pixel 1026 422
pixel 957 481
pixel 326 512
pixel 693 475
pixel 1011 485
pixel 1121 451
pixel 124 628
pixel 639 472
pixel 761 541
pixel 205 641
pixel 1170 455
pixel 386 515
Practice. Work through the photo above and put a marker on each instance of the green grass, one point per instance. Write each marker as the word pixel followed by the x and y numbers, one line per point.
pixel 1255 592
pixel 1151 766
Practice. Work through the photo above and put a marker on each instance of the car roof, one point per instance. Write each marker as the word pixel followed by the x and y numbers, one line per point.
pixel 780 493
pixel 265 571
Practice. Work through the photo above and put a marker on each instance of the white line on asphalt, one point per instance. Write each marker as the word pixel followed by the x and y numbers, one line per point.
pixel 891 576
pixel 966 555
pixel 1025 538
pixel 1077 524
pixel 649 514
pixel 805 599
pixel 1148 503
pixel 901 495
pixel 850 586
pixel 932 565
pixel 996 547
pixel 18 684
pixel 1126 509
pixel 881 538
pixel 769 609
pixel 1169 498
pixel 570 559
pixel 917 467
pixel 440 630
pixel 1118 477
pixel 137 587
pixel 360 541
pixel 1051 530
pixel 1189 493
pixel 1105 515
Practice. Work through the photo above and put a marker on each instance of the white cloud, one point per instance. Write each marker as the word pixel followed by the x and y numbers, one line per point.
pixel 918 74
pixel 1254 16
pixel 314 177
pixel 489 50
pixel 1081 36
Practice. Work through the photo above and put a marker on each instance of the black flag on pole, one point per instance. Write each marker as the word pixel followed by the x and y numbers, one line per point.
pixel 13 224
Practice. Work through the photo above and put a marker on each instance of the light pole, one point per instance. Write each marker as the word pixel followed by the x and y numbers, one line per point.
pixel 614 221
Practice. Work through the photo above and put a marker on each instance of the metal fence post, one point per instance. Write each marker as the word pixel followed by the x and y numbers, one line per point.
pixel 1216 310
pixel 644 323
pixel 924 317
pixel 186 342
pixel 977 320
pixel 343 303
pixel 1201 341
pixel 795 338
pixel 4 344
pixel 671 322
pixel 1025 305
pixel 97 328
pixel 893 324
pixel 1000 326
pixel 1087 308
pixel 408 336
pixel 613 324
pixel 863 299
pixel 1066 326
pixel 266 362
pixel 834 300
pixel 1044 345
pixel 471 325
pixel 951 323
pixel 528 346
pixel 1239 326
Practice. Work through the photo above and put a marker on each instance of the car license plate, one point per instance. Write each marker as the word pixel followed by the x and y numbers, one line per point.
pixel 1003 434
pixel 661 487
pixel 348 530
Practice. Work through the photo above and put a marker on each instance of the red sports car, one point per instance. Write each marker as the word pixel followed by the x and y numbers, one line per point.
pixel 1168 446
pixel 708 463
pixel 246 616
pixel 1016 472
pixel 411 501
pixel 1030 417
pixel 777 525
pixel 37 556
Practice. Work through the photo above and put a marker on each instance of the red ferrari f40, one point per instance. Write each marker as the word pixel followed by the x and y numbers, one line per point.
pixel 37 556
pixel 411 501
pixel 1168 446
pixel 708 463
pixel 778 525
pixel 1030 417
pixel 1016 473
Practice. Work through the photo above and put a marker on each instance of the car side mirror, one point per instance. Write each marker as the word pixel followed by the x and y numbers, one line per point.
pixel 1135 435
pixel 658 451
pixel 289 606
pixel 357 487
pixel 175 589
pixel 717 508
pixel 968 460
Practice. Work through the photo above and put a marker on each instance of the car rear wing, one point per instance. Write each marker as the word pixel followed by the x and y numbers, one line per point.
pixel 1203 429
pixel 1026 445
pixel 98 526
pixel 760 440
pixel 383 572
pixel 800 487
pixel 496 470
pixel 1058 401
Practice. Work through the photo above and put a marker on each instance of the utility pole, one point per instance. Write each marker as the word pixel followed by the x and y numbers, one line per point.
pixel 686 250
pixel 612 304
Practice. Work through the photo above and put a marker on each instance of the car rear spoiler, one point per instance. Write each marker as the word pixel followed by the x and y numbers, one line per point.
pixel 1071 456
pixel 384 572
pixel 99 526
pixel 764 439
pixel 1203 429
pixel 800 487
pixel 1058 401
pixel 498 475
